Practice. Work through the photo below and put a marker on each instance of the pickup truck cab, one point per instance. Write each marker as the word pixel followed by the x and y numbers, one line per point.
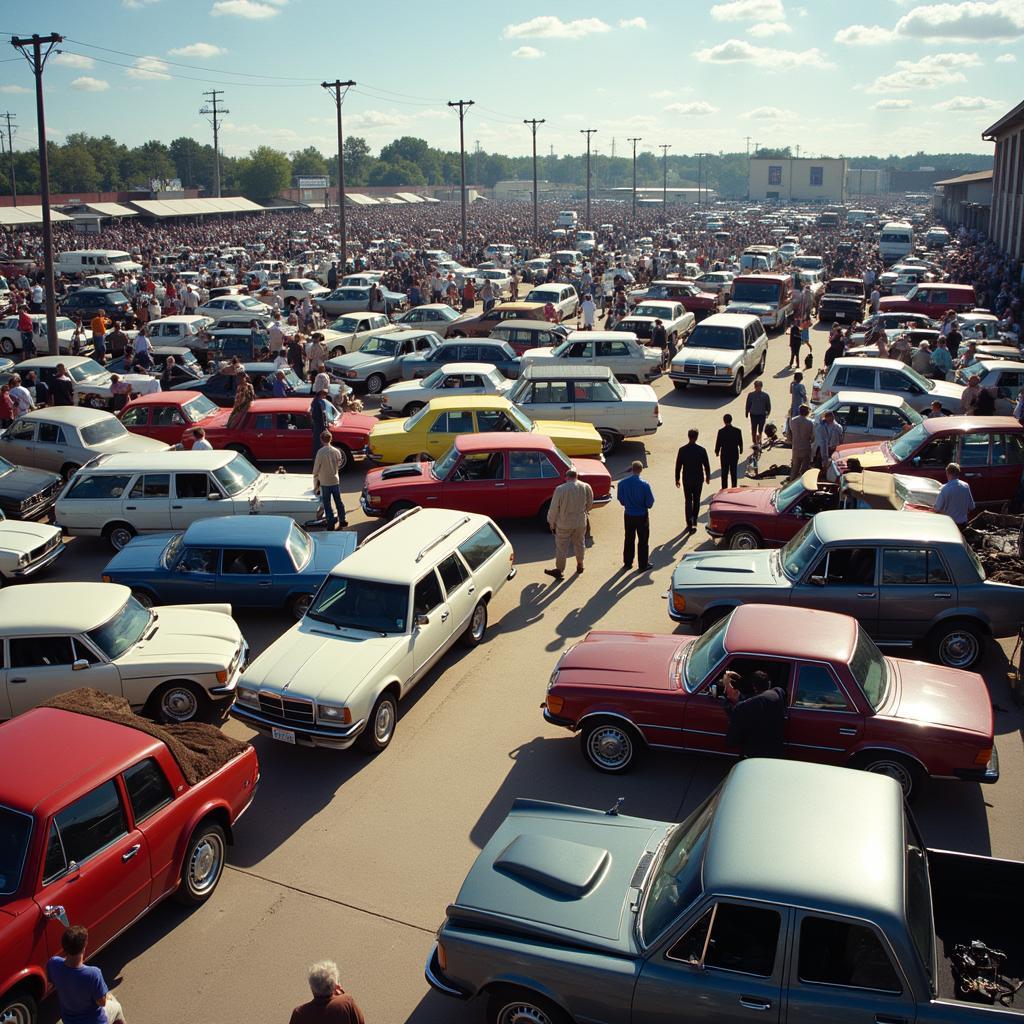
pixel 829 909
pixel 725 350
pixel 101 835
pixel 766 296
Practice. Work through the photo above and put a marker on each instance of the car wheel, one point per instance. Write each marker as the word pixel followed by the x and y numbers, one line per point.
pixel 610 746
pixel 7 346
pixel 477 626
pixel 179 702
pixel 203 864
pixel 398 508
pixel 375 384
pixel 411 408
pixel 764 360
pixel 737 387
pixel 119 535
pixel 542 514
pixel 743 538
pixel 904 771
pixel 381 725
pixel 680 385
pixel 66 472
pixel 338 350
pixel 708 619
pixel 520 1006
pixel 956 644
pixel 346 458
pixel 18 1008
pixel 144 597
pixel 609 441
pixel 241 449
pixel 299 605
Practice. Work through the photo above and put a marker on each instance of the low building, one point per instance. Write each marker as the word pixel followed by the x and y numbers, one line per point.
pixel 966 201
pixel 799 179
pixel 867 181
pixel 521 190
pixel 649 195
pixel 1006 222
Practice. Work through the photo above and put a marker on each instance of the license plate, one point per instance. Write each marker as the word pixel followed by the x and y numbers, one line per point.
pixel 284 735
pixel 697 380
pixel 840 316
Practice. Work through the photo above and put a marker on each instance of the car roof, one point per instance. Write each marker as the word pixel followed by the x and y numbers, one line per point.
pixel 239 530
pixel 518 324
pixel 287 404
pixel 165 397
pixel 517 440
pixel 869 398
pixel 516 305
pixel 482 368
pixel 47 361
pixel 492 342
pixel 578 371
pixel 833 840
pixel 791 632
pixel 873 361
pixel 859 524
pixel 1001 364
pixel 729 320
pixel 74 415
pixel 165 461
pixel 845 280
pixel 183 318
pixel 943 424
pixel 600 336
pixel 25 611
pixel 470 402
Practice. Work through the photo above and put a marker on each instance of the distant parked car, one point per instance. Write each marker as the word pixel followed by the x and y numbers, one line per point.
pixel 409 396
pixel 495 353
pixel 166 414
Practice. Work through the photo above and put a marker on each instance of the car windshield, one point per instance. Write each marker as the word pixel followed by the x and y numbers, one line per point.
pixel 975 368
pixel 86 370
pixel 345 324
pixel 755 291
pixel 785 495
pixel 905 445
pixel 379 346
pixel 655 311
pixel 124 630
pixel 237 475
pixel 300 546
pixel 173 548
pixel 676 881
pixel 729 338
pixel 704 653
pixel 63 324
pixel 15 829
pixel 845 288
pixel 796 555
pixel 197 409
pixel 870 669
pixel 922 382
pixel 361 604
pixel 102 431
pixel 250 304
pixel 433 380
pixel 5 467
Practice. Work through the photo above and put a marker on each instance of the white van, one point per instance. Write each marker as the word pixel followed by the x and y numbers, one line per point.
pixel 566 219
pixel 936 238
pixel 858 216
pixel 896 241
pixel 95 261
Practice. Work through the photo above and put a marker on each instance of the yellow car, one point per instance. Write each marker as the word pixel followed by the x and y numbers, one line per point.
pixel 432 430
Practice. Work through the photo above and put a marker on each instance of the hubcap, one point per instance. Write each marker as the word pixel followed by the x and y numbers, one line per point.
pixel 894 770
pixel 373 384
pixel 523 1013
pixel 479 620
pixel 384 721
pixel 16 1013
pixel 610 747
pixel 958 649
pixel 204 865
pixel 120 537
pixel 179 704
pixel 743 541
pixel 302 604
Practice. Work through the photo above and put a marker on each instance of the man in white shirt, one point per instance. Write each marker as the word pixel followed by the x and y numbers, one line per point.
pixel 276 335
pixel 191 300
pixel 589 310
pixel 200 444
pixel 20 397
pixel 37 298
pixel 954 498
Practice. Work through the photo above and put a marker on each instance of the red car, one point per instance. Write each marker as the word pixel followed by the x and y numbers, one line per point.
pixel 281 430
pixel 164 414
pixel 744 518
pixel 500 475
pixel 847 704
pixel 98 836
pixel 933 298
pixel 689 295
pixel 989 449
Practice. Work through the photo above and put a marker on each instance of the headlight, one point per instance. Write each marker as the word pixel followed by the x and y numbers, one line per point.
pixel 333 715
pixel 244 695
pixel 553 680
pixel 723 371
pixel 351 374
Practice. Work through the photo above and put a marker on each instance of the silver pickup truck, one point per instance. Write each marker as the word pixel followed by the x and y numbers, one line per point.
pixel 827 910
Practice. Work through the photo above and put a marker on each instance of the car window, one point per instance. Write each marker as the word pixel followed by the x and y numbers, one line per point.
pixel 612 348
pixel 454 422
pixel 531 466
pixel 495 419
pixel 427 595
pixel 844 953
pixel 888 419
pixel 594 391
pixel 478 548
pixel 51 433
pixel 853 415
pixel 579 350
pixel 198 560
pixel 192 485
pixel 1007 449
pixel 23 431
pixel 818 690
pixel 893 380
pixel 937 454
pixel 553 392
pixel 165 416
pixel 152 485
pixel 41 651
pixel 99 486
pixel 91 823
pixel 453 573
pixel 246 562
pixel 912 565
pixel 859 378
pixel 148 789
pixel 974 449
pixel 55 863
pixel 846 567
pixel 732 937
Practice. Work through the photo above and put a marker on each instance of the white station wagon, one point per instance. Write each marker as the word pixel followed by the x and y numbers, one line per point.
pixel 448 381
pixel 379 621
pixel 170 662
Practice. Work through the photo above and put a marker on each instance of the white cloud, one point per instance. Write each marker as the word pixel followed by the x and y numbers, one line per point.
pixel 73 60
pixel 528 53
pixel 1006 58
pixel 769 114
pixel 148 68
pixel 763 29
pixel 632 23
pixel 203 50
pixel 135 5
pixel 893 104
pixel 864 35
pixel 252 10
pixel 661 94
pixel 975 19
pixel 89 84
pixel 698 108
pixel 547 26
pixel 749 10
pixel 376 119
pixel 967 103
pixel 931 72
pixel 736 51
pixel 11 89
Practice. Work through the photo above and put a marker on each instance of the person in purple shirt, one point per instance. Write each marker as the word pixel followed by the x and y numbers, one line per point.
pixel 81 990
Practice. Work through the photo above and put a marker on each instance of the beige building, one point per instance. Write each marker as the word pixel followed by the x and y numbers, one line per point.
pixel 966 201
pixel 1006 223
pixel 800 179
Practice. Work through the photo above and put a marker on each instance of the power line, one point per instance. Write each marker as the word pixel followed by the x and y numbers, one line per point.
pixel 588 132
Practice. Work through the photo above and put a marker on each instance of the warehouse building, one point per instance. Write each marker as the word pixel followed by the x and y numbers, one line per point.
pixel 1006 223
pixel 966 201
pixel 798 179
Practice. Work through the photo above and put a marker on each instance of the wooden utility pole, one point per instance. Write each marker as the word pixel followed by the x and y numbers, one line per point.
pixel 462 104
pixel 212 113
pixel 10 150
pixel 664 147
pixel 634 141
pixel 588 132
pixel 533 122
pixel 339 97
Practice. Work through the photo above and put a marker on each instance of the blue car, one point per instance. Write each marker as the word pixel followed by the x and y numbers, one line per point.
pixel 247 561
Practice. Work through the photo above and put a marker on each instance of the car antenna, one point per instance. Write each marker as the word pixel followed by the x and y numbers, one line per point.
pixel 614 810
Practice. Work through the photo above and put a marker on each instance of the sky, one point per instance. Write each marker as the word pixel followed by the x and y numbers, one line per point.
pixel 834 78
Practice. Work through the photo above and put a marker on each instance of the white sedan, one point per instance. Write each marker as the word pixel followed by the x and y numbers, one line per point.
pixel 299 288
pixel 26 547
pixel 233 305
pixel 10 336
pixel 452 380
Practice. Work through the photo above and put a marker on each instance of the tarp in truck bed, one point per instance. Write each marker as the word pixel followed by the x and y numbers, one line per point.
pixel 200 749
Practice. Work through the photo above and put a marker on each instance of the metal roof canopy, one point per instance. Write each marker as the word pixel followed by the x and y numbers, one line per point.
pixel 1008 121
pixel 409 197
pixel 196 207
pixel 358 199
pixel 110 209
pixel 966 179
pixel 27 216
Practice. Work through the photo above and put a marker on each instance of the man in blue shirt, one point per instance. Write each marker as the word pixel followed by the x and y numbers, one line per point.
pixel 636 498
pixel 81 991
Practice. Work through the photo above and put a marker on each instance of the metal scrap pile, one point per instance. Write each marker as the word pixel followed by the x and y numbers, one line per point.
pixel 998 541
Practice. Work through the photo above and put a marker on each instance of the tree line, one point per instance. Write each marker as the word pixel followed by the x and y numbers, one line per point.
pixel 89 163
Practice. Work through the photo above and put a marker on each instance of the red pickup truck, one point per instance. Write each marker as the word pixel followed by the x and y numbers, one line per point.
pixel 102 833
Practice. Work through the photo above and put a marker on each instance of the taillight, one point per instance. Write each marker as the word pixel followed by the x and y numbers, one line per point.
pixel 983 758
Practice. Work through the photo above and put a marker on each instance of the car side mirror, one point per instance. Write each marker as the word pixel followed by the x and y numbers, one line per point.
pixel 713 691
pixel 214 496
pixel 817 581
pixel 79 664
pixel 422 620
pixel 916 460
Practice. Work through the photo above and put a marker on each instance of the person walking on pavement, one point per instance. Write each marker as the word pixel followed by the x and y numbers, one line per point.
pixel 758 408
pixel 567 518
pixel 801 434
pixel 330 1004
pixel 728 447
pixel 81 991
pixel 637 499
pixel 693 467
pixel 954 498
pixel 318 414
pixel 827 434
pixel 327 480
pixel 797 397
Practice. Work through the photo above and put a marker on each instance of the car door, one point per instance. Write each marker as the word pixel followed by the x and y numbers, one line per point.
pixel 460 590
pixel 432 624
pixel 617 356
pixel 190 499
pixel 445 428
pixel 855 419
pixel 18 443
pixel 166 423
pixel 915 587
pixel 245 578
pixel 596 402
pixel 478 484
pixel 148 505
pixel 549 400
pixel 220 388
pixel 886 423
pixel 1006 463
pixel 95 866
pixel 932 458
pixel 843 580
pixel 822 721
pixel 40 667
pixel 533 478
pixel 975 467
pixel 728 959
pixel 579 352
pixel 292 437
pixel 51 450
pixel 193 576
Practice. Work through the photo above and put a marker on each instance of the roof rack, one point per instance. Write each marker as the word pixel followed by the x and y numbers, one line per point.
pixel 437 540
pixel 400 518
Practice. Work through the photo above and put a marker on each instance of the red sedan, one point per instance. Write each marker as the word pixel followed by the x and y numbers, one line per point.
pixel 281 430
pixel 847 704
pixel 164 414
pixel 500 475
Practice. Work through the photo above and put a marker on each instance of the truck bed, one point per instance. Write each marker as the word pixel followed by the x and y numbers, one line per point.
pixel 977 898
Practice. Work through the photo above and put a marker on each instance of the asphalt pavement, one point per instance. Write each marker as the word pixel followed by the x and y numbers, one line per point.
pixel 354 859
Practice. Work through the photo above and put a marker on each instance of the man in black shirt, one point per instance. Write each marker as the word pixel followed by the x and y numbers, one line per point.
pixel 62 388
pixel 659 340
pixel 728 445
pixel 693 466
pixel 757 715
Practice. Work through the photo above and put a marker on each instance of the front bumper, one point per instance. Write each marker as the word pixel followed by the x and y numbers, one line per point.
pixel 689 378
pixel 229 687
pixel 49 558
pixel 369 510
pixel 986 776
pixel 551 719
pixel 602 501
pixel 437 981
pixel 680 616
pixel 305 736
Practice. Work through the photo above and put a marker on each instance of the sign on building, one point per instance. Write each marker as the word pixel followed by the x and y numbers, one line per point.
pixel 775 174
pixel 311 182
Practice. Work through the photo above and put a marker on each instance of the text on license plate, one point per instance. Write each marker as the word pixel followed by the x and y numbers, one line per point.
pixel 697 380
pixel 284 735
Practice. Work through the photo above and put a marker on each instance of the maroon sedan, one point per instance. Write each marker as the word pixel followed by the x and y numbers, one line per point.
pixel 501 475
pixel 847 704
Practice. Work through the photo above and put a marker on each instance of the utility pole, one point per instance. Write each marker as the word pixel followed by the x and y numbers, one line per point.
pixel 634 140
pixel 798 152
pixel 212 113
pixel 462 104
pixel 336 87
pixel 700 178
pixel 664 147
pixel 37 61
pixel 588 132
pixel 10 150
pixel 533 122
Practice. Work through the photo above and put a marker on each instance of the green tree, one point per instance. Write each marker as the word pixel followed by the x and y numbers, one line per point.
pixel 357 162
pixel 265 173
pixel 397 172
pixel 309 163
pixel 145 163
pixel 72 168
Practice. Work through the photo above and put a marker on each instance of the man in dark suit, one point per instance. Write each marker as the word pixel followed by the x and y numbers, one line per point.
pixel 757 715
pixel 693 467
pixel 728 446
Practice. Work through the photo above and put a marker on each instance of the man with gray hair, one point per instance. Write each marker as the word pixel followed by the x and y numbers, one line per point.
pixel 330 1004
pixel 567 518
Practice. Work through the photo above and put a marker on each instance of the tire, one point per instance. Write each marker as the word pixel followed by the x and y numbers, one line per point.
pixel 144 597
pixel 68 469
pixel 610 746
pixel 906 772
pixel 241 449
pixel 398 508
pixel 346 458
pixel 299 605
pixel 380 728
pixel 177 702
pixel 7 346
pixel 412 407
pixel 18 1007
pixel 708 619
pixel 520 1006
pixel 956 644
pixel 609 441
pixel 743 538
pixel 680 385
pixel 761 365
pixel 375 384
pixel 119 535
pixel 476 627
pixel 737 387
pixel 542 514
pixel 456 334
pixel 203 864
